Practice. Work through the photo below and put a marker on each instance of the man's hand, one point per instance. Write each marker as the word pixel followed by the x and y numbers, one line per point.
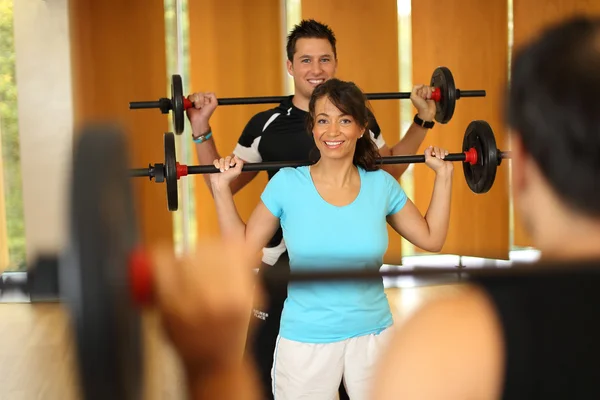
pixel 205 105
pixel 421 99
pixel 204 301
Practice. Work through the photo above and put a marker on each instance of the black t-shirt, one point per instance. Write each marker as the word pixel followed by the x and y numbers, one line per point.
pixel 551 330
pixel 281 134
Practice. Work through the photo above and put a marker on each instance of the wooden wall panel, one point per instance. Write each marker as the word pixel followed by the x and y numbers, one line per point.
pixel 367 48
pixel 528 20
pixel 118 56
pixel 471 38
pixel 236 50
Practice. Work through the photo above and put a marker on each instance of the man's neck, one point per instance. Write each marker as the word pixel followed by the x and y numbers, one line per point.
pixel 300 102
pixel 572 247
pixel 568 236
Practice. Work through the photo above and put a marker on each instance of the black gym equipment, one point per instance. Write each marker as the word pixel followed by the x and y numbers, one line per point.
pixel 445 95
pixel 94 271
pixel 480 158
pixel 97 275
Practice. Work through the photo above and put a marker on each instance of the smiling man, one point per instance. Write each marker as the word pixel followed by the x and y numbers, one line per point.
pixel 281 134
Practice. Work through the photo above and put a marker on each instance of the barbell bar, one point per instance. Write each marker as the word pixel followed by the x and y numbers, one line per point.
pixel 444 94
pixel 480 157
pixel 105 274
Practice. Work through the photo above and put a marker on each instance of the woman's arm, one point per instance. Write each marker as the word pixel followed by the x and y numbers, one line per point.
pixel 428 232
pixel 261 225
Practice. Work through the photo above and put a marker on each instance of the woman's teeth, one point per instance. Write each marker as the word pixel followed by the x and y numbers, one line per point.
pixel 333 144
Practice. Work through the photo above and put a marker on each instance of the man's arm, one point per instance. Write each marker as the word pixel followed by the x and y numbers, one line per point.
pixel 204 300
pixel 415 135
pixel 206 151
pixel 451 349
pixel 409 144
pixel 238 382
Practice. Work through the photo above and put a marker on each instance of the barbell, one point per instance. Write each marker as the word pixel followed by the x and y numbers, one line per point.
pixel 480 157
pixel 105 275
pixel 444 94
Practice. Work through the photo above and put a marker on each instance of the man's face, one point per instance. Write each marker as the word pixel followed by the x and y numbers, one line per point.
pixel 313 63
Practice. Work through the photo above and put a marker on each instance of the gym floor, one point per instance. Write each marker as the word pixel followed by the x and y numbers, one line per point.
pixel 36 354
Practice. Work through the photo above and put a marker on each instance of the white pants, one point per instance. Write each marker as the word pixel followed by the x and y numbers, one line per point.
pixel 314 370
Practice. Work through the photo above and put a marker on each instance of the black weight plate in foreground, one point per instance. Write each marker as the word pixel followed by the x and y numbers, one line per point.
pixel 171 171
pixel 177 104
pixel 442 78
pixel 94 270
pixel 480 177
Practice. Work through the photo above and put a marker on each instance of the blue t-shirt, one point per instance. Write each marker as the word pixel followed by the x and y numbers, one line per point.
pixel 317 235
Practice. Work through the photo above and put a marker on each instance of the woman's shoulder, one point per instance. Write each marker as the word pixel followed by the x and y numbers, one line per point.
pixel 291 173
pixel 375 172
pixel 378 175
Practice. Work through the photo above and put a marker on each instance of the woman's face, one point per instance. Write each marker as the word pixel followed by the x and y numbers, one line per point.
pixel 335 133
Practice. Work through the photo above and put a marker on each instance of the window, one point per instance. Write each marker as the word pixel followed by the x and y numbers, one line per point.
pixel 12 221
pixel 177 54
pixel 406 82
pixel 293 16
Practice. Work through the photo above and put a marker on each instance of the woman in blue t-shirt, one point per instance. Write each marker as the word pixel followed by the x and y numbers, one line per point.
pixel 334 214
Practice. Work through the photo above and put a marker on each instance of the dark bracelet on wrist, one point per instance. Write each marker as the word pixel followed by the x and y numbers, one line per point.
pixel 421 123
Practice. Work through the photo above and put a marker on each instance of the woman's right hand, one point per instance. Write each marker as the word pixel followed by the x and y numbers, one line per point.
pixel 230 167
pixel 434 158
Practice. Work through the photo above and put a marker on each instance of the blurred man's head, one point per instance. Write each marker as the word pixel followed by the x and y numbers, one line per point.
pixel 553 112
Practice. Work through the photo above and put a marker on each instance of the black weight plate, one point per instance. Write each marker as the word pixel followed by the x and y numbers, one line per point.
pixel 94 269
pixel 171 171
pixel 177 104
pixel 442 78
pixel 480 177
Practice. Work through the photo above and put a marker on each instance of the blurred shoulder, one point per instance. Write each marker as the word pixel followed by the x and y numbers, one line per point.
pixel 450 348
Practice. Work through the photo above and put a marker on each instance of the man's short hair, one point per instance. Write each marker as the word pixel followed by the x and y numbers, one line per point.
pixel 309 28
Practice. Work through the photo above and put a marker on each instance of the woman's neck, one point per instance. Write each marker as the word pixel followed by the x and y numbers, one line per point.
pixel 335 172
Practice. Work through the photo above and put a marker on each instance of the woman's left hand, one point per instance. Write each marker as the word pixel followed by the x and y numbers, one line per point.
pixel 434 158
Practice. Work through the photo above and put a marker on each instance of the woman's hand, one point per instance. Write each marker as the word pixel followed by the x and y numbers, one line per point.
pixel 434 158
pixel 230 169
